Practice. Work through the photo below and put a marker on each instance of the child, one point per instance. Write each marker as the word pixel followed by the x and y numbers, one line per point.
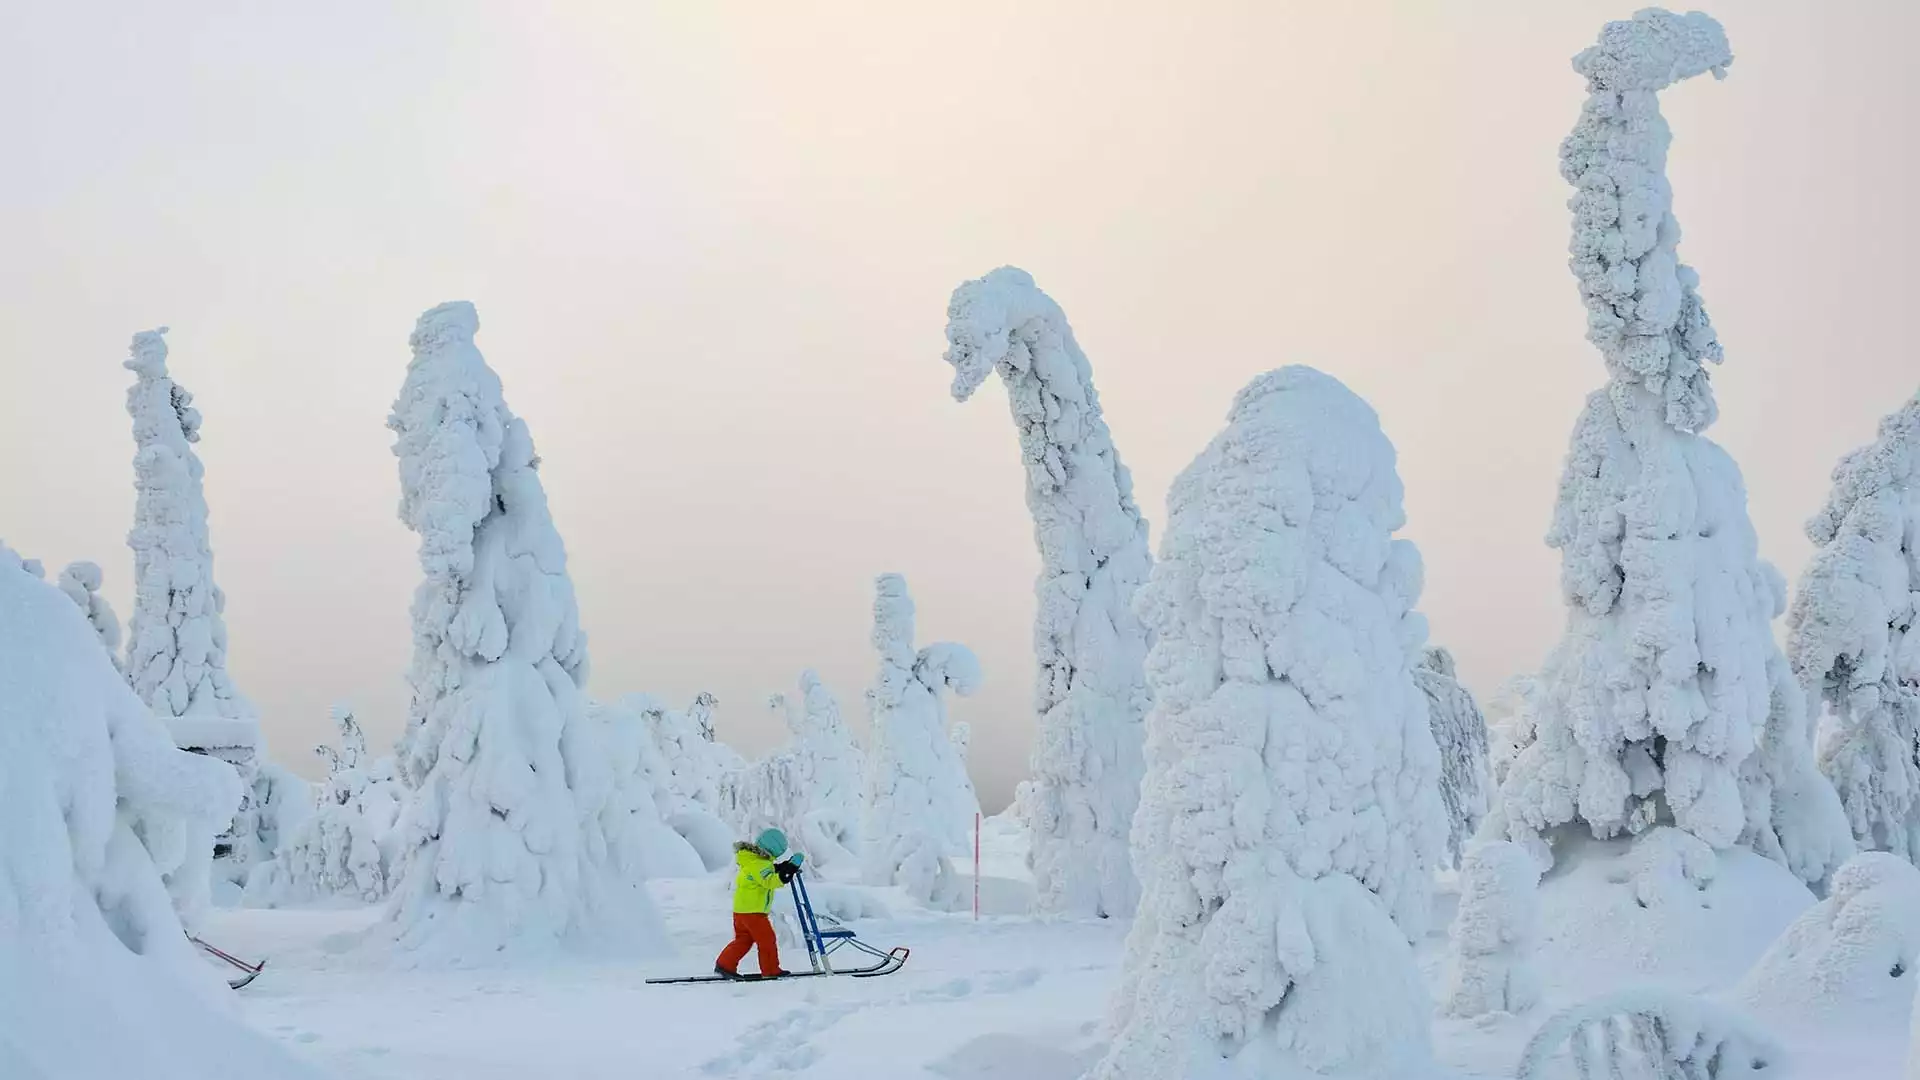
pixel 761 874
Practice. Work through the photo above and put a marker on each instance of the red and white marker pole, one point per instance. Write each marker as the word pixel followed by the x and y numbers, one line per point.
pixel 976 866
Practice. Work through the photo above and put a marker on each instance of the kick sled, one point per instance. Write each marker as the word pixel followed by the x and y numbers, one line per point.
pixel 825 937
pixel 248 972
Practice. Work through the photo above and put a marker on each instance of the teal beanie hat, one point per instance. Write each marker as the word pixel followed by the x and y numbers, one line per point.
pixel 773 842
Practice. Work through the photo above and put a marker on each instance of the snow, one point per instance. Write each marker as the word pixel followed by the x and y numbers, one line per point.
pixel 521 832
pixel 1668 700
pixel 1667 1034
pixel 1006 998
pixel 1491 959
pixel 344 847
pixel 689 770
pixel 103 817
pixel 81 582
pixel 177 638
pixel 1290 822
pixel 920 802
pixel 810 789
pixel 1852 641
pixel 1850 959
pixel 1089 646
pixel 1460 732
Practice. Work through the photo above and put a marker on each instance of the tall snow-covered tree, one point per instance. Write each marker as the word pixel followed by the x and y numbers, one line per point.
pixel 177 637
pixel 1667 701
pixel 1089 645
pixel 81 582
pixel 1460 731
pixel 920 802
pixel 503 843
pixel 1290 822
pixel 1854 644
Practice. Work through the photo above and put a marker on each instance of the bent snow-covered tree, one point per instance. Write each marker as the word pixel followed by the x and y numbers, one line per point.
pixel 1290 822
pixel 502 842
pixel 1667 701
pixel 1460 731
pixel 177 637
pixel 1854 644
pixel 1089 645
pixel 920 802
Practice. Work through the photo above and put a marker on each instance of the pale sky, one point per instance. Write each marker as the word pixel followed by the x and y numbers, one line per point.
pixel 712 245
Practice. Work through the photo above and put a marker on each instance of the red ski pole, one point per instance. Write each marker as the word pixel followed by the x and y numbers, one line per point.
pixel 976 866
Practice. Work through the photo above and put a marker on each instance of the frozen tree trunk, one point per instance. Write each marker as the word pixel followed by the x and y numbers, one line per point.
pixel 177 637
pixel 503 842
pixel 1853 642
pixel 920 803
pixel 1290 822
pixel 81 582
pixel 1667 700
pixel 1460 731
pixel 1088 643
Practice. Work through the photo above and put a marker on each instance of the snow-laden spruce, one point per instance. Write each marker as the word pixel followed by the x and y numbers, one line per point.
pixel 177 636
pixel 81 582
pixel 1089 645
pixel 108 832
pixel 1650 1032
pixel 503 842
pixel 1491 947
pixel 810 788
pixel 1853 642
pixel 1460 731
pixel 1667 699
pixel 920 802
pixel 345 848
pixel 1290 822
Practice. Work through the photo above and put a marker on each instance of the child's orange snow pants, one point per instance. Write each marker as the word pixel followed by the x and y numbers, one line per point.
pixel 749 931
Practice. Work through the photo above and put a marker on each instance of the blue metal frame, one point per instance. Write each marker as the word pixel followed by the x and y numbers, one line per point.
pixel 821 944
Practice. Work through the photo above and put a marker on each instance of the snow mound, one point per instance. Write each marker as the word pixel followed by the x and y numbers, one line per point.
pixel 102 812
pixel 1651 1033
pixel 1664 910
pixel 1852 955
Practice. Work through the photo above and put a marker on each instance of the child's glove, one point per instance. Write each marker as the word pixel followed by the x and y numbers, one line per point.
pixel 787 871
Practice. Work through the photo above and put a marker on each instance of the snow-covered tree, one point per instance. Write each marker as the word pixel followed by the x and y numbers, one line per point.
pixel 1854 643
pixel 691 769
pixel 1491 948
pixel 1460 731
pixel 503 842
pixel 346 847
pixel 1851 956
pixel 81 582
pixel 1510 723
pixel 177 637
pixel 1668 699
pixel 1290 822
pixel 1088 643
pixel 810 788
pixel 108 833
pixel 920 802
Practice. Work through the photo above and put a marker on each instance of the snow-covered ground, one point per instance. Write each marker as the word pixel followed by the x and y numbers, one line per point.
pixel 1008 997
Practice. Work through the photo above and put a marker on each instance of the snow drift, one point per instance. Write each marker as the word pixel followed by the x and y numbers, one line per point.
pixel 1290 822
pixel 1089 645
pixel 103 813
pixel 1667 701
pixel 518 833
